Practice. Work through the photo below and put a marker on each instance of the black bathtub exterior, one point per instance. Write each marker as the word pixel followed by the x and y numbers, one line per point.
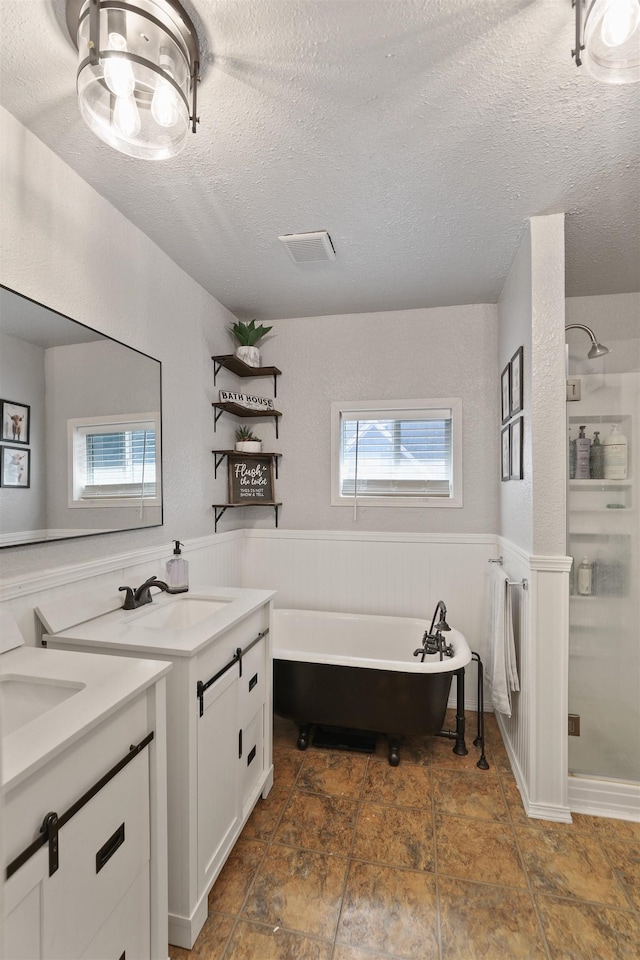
pixel 385 701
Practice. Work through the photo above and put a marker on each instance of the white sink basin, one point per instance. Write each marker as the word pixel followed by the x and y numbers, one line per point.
pixel 22 699
pixel 182 612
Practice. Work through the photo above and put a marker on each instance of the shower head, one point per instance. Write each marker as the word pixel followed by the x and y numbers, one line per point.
pixel 597 349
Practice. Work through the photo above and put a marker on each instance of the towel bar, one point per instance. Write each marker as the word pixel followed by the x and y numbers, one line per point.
pixel 519 583
pixel 497 560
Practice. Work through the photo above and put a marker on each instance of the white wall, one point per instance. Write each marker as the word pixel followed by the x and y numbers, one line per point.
pixel 443 352
pixel 65 246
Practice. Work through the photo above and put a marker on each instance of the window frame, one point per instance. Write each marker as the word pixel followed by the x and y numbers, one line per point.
pixel 340 407
pixel 131 420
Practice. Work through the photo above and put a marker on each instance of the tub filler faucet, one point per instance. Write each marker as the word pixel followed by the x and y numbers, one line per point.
pixel 435 642
pixel 139 596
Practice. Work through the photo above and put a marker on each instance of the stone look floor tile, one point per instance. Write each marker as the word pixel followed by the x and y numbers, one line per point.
pixel 298 889
pixel 390 911
pixel 211 941
pixel 340 775
pixel 342 952
pixel 577 931
pixel 318 822
pixel 607 829
pixel 396 836
pixel 286 767
pixel 266 814
pixel 569 865
pixel 469 794
pixel 250 941
pixel 480 921
pixel 442 755
pixel 228 892
pixel 625 860
pixel 404 786
pixel 478 850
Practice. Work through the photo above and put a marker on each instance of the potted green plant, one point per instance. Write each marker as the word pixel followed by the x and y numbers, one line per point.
pixel 248 335
pixel 246 442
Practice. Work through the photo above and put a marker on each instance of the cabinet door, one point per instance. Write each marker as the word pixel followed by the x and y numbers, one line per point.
pixel 218 800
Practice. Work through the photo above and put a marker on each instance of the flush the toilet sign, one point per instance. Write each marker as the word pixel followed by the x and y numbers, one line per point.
pixel 250 478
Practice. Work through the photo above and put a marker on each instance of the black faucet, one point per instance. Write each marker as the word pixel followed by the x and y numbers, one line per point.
pixel 138 597
pixel 435 642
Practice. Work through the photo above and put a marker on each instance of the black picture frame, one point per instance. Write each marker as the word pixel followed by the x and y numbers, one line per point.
pixel 16 421
pixel 505 454
pixel 516 391
pixel 516 444
pixel 505 392
pixel 15 467
pixel 250 478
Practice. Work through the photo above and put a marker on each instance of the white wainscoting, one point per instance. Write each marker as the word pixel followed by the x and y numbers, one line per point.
pixel 378 573
pixel 215 559
pixel 536 733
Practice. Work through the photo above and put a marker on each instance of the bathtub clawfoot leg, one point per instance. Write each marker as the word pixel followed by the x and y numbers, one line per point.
pixel 394 751
pixel 303 736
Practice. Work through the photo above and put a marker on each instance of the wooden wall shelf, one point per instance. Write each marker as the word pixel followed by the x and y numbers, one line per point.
pixel 242 369
pixel 221 507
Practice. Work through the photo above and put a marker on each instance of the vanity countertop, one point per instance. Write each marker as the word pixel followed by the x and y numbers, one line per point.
pixel 101 685
pixel 138 631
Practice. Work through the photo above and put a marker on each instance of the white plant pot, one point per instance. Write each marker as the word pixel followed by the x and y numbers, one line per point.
pixel 249 446
pixel 250 355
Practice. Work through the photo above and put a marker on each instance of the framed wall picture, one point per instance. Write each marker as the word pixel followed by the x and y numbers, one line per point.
pixel 15 467
pixel 516 391
pixel 516 444
pixel 506 453
pixel 505 388
pixel 16 421
pixel 250 478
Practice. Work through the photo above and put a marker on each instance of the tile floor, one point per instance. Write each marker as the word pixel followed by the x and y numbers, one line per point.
pixel 351 859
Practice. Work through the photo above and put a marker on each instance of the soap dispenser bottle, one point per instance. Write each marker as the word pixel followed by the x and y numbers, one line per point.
pixel 596 458
pixel 583 450
pixel 177 571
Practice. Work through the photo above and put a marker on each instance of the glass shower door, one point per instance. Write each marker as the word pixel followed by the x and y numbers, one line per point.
pixel 604 621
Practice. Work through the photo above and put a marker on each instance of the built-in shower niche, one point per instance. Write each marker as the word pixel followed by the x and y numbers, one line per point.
pixel 610 555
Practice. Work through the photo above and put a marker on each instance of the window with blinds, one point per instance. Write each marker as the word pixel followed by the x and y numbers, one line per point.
pixel 113 460
pixel 403 452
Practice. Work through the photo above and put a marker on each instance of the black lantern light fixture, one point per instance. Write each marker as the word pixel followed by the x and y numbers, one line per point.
pixel 609 36
pixel 138 72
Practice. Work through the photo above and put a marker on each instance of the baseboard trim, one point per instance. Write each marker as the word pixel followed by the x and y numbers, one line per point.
pixel 537 811
pixel 616 799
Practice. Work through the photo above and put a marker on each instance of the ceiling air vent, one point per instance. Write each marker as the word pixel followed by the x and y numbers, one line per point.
pixel 309 247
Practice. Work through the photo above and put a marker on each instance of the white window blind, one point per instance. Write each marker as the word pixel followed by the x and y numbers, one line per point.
pixel 114 459
pixel 395 453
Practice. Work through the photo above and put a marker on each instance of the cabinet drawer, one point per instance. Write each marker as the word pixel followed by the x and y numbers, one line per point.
pixel 252 760
pixel 126 932
pixel 102 849
pixel 252 682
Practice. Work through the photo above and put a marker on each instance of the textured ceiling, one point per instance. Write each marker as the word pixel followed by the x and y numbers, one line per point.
pixel 420 135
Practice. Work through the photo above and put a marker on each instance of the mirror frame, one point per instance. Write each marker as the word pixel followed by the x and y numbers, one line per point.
pixel 103 336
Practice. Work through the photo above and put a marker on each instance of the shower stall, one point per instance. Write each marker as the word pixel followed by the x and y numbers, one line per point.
pixel 603 391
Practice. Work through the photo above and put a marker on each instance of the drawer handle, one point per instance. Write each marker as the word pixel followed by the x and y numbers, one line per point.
pixel 108 849
pixel 251 755
pixel 253 682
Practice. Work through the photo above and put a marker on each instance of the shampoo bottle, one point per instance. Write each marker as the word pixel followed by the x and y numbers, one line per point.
pixel 615 455
pixel 585 578
pixel 572 457
pixel 177 571
pixel 596 458
pixel 583 449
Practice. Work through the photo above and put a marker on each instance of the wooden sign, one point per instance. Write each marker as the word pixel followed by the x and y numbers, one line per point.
pixel 250 401
pixel 250 478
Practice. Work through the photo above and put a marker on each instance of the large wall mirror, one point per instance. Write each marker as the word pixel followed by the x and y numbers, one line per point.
pixel 80 452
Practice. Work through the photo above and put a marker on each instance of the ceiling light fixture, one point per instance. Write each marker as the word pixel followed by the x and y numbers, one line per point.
pixel 610 39
pixel 138 72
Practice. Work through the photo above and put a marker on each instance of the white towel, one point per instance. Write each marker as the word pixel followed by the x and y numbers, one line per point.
pixel 502 671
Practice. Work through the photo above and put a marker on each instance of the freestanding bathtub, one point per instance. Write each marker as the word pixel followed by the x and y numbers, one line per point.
pixel 359 671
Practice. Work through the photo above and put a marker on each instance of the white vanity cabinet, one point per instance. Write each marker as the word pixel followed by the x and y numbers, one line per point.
pixel 219 743
pixel 97 888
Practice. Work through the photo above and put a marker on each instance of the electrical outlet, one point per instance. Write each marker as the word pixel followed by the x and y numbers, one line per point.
pixel 574 724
